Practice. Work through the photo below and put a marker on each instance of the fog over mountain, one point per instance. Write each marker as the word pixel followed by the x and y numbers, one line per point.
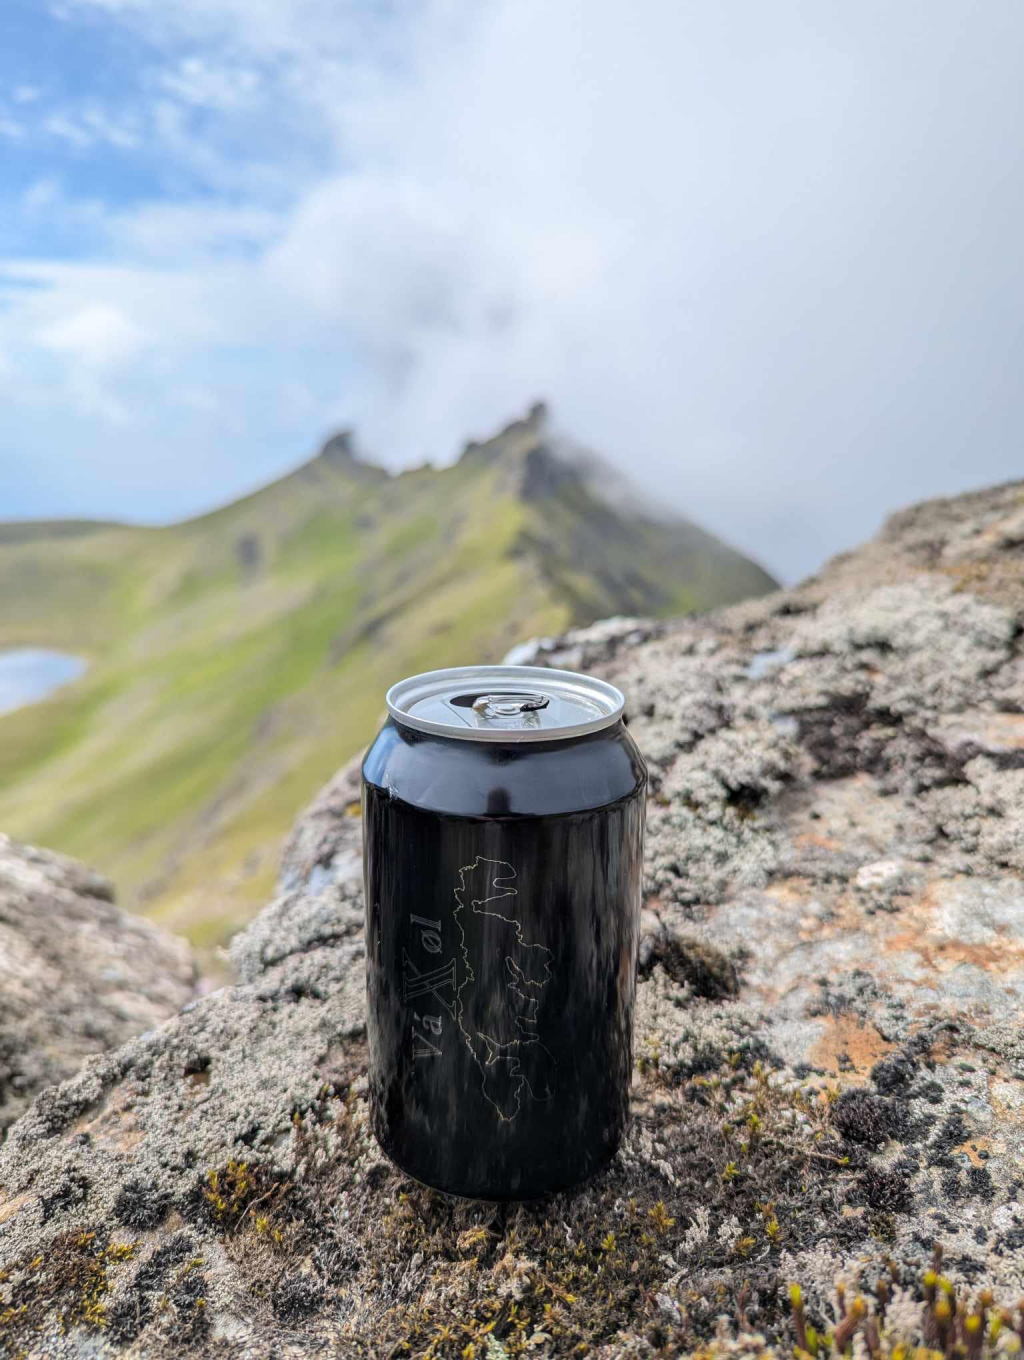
pixel 234 659
pixel 766 258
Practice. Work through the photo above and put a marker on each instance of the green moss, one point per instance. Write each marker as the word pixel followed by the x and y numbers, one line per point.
pixel 65 1286
pixel 615 1267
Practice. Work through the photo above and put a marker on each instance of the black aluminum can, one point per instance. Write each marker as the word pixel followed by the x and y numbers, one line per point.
pixel 503 816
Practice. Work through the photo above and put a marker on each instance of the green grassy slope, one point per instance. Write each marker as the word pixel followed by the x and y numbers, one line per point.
pixel 237 659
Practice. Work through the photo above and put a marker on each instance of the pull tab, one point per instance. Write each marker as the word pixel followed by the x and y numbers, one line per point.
pixel 508 705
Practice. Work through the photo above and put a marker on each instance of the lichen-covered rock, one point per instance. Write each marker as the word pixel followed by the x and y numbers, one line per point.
pixel 77 975
pixel 829 1055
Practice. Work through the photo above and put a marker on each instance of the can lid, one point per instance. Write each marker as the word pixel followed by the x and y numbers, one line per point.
pixel 505 703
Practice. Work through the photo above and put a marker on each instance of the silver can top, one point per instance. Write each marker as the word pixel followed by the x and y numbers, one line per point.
pixel 505 703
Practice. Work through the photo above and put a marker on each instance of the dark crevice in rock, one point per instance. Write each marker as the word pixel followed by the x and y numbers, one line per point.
pixel 71 1191
pixel 703 968
pixel 850 736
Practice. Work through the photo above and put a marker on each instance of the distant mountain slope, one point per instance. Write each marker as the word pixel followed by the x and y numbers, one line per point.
pixel 239 657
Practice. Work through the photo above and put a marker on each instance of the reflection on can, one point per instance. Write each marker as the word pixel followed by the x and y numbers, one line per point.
pixel 503 813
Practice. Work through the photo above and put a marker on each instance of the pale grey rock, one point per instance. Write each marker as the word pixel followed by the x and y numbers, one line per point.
pixel 319 852
pixel 830 1072
pixel 572 652
pixel 77 975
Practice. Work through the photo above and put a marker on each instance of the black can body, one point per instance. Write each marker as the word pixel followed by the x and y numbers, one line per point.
pixel 503 888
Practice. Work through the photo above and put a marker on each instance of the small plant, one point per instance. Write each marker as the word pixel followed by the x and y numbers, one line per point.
pixel 69 1283
pixel 949 1327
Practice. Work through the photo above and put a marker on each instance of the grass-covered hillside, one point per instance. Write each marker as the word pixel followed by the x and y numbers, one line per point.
pixel 237 659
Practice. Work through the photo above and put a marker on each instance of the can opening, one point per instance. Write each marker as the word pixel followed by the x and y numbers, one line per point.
pixel 501 703
pixel 505 703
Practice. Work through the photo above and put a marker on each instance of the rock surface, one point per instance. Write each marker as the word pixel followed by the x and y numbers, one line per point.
pixel 77 975
pixel 830 1061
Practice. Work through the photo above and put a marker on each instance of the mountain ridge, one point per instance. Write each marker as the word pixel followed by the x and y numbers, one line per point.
pixel 542 456
pixel 237 657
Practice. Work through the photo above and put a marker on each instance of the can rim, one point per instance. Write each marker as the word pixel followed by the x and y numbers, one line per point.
pixel 568 683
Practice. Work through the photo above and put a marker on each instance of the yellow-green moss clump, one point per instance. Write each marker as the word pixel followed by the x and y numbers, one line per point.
pixel 68 1284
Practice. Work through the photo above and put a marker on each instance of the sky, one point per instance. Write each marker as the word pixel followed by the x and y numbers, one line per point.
pixel 766 258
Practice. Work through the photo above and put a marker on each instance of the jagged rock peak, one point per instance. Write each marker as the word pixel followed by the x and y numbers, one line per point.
pixel 535 421
pixel 340 448
pixel 533 425
pixel 340 451
pixel 538 414
pixel 542 463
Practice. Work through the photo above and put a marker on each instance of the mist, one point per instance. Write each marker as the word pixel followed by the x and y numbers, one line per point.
pixel 766 259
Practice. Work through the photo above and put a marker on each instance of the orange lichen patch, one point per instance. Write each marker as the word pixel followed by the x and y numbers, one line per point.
pixel 1001 732
pixel 941 1049
pixel 112 1124
pixel 972 554
pixel 12 1206
pixel 92 1117
pixel 902 902
pixel 795 890
pixel 942 955
pixel 818 841
pixel 847 1045
pixel 966 575
pixel 973 1147
pixel 918 931
pixel 848 915
pixel 130 1138
pixel 1006 1098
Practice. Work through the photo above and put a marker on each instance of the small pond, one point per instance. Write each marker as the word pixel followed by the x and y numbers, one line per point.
pixel 28 674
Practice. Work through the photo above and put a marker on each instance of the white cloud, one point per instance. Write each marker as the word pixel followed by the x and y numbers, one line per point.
pixel 122 133
pixel 87 127
pixel 11 128
pixel 90 396
pixel 26 94
pixel 762 258
pixel 68 130
pixel 43 195
pixel 223 172
pixel 265 28
pixel 196 80
pixel 97 336
pixel 190 230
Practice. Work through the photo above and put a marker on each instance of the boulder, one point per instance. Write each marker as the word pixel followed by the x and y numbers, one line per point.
pixel 828 1103
pixel 77 975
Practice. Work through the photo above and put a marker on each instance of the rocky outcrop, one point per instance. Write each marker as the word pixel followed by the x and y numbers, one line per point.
pixel 340 450
pixel 829 1064
pixel 77 976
